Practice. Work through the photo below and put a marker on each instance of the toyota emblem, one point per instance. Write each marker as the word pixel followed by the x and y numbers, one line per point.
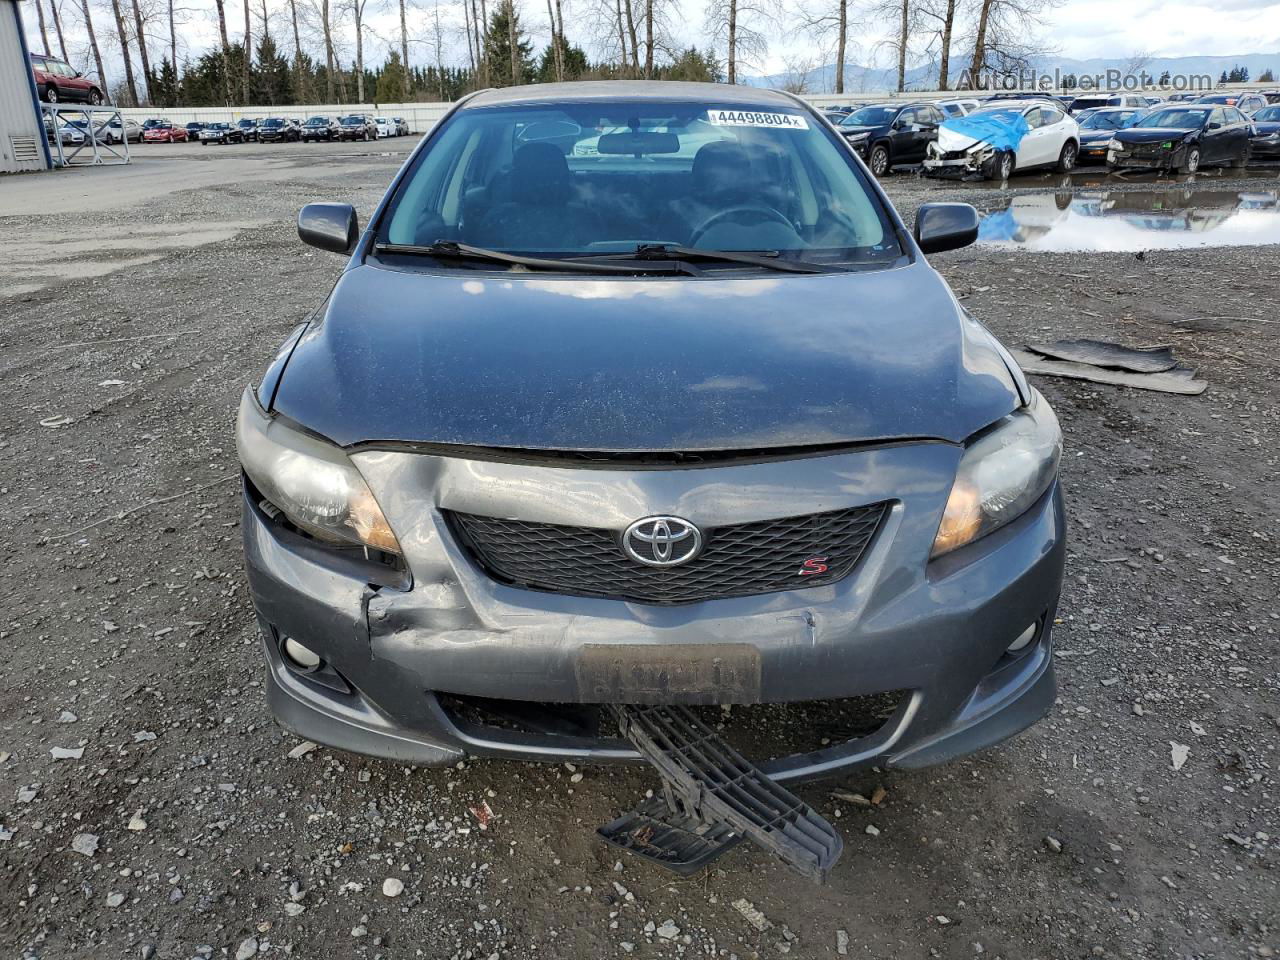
pixel 662 541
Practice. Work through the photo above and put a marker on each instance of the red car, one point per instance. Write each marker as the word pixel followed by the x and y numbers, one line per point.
pixel 56 81
pixel 165 133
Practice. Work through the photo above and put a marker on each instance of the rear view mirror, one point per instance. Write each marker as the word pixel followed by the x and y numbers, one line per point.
pixel 638 143
pixel 329 226
pixel 945 226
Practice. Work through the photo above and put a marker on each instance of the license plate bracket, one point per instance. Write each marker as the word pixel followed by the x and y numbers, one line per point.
pixel 683 673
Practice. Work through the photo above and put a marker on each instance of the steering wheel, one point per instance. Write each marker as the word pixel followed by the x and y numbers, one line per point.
pixel 757 211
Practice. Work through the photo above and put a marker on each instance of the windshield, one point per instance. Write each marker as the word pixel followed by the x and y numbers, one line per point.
pixel 1268 114
pixel 1083 103
pixel 1175 119
pixel 870 117
pixel 606 177
pixel 1106 121
pixel 348 121
pixel 273 123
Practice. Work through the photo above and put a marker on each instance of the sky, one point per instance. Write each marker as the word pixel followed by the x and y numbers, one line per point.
pixel 1078 29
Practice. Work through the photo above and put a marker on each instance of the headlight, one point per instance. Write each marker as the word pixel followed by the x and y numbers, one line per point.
pixel 853 137
pixel 312 482
pixel 1115 145
pixel 1001 475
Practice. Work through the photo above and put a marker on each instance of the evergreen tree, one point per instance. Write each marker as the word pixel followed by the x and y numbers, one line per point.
pixel 390 84
pixel 271 82
pixel 693 65
pixel 575 62
pixel 164 85
pixel 503 25
pixel 1267 76
pixel 1223 79
pixel 1165 79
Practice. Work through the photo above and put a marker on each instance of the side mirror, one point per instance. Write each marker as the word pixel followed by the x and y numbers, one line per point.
pixel 945 226
pixel 329 226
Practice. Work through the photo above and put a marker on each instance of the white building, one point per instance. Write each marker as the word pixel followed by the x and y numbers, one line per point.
pixel 22 142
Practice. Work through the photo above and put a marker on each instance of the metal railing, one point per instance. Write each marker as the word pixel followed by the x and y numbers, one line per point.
pixel 97 145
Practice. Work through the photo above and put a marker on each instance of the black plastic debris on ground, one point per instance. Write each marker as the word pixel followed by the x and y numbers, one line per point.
pixel 711 798
pixel 1100 353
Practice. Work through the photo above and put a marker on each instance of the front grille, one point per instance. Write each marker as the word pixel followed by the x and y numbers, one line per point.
pixel 736 561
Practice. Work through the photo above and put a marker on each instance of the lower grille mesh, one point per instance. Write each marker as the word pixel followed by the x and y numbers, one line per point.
pixel 737 561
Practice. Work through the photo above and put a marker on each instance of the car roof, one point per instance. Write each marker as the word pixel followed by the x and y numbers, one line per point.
pixel 664 90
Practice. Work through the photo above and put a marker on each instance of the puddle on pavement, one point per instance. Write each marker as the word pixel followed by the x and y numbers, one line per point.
pixel 1133 220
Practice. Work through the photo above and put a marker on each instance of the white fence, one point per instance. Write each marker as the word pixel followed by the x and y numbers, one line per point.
pixel 422 116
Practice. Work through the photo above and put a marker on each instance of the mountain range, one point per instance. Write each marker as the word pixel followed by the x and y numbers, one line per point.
pixel 859 78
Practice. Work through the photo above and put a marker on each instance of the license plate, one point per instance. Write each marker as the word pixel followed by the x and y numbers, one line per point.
pixel 669 673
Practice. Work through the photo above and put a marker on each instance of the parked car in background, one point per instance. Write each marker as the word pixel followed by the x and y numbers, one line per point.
pixel 402 126
pixel 248 128
pixel 221 133
pixel 193 129
pixel 887 134
pixel 166 133
pixel 150 122
pixel 278 130
pixel 58 82
pixel 320 128
pixel 1265 142
pixel 113 131
pixel 385 126
pixel 1184 97
pixel 1183 139
pixel 69 135
pixel 1246 103
pixel 1096 127
pixel 1273 96
pixel 958 108
pixel 1003 137
pixel 356 127
pixel 1091 100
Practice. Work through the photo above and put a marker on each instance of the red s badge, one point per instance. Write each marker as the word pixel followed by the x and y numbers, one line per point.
pixel 813 566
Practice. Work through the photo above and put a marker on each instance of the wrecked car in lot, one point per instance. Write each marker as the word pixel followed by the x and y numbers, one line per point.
pixel 994 142
pixel 1183 139
pixel 635 399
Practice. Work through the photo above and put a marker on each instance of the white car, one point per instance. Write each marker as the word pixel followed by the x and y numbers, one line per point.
pixel 1052 139
pixel 386 127
pixel 958 108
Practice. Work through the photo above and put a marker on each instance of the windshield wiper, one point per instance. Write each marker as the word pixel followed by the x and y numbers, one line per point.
pixel 770 259
pixel 450 250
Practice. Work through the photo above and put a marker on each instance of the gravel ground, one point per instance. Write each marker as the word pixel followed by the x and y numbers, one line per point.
pixel 151 808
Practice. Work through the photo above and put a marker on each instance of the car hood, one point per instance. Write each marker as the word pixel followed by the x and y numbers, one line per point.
pixel 1151 134
pixel 602 364
pixel 1095 136
pixel 849 130
pixel 1265 127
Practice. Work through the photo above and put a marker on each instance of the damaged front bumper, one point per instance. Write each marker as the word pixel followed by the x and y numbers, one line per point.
pixel 973 161
pixel 428 665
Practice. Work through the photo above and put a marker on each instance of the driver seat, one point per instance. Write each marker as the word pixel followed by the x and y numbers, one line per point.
pixel 539 212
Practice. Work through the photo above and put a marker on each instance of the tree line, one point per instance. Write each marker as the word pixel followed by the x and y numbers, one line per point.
pixel 306 51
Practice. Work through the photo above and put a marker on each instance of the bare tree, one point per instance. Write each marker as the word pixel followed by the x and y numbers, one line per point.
pixel 827 24
pixel 93 43
pixel 740 25
pixel 44 34
pixel 404 50
pixel 142 50
pixel 57 26
pixel 557 58
pixel 1138 61
pixel 173 38
pixel 358 8
pixel 941 15
pixel 796 73
pixel 903 15
pixel 248 55
pixel 226 48
pixel 1006 36
pixel 130 88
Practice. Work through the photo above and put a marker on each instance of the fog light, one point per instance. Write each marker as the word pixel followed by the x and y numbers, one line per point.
pixel 1024 638
pixel 302 657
